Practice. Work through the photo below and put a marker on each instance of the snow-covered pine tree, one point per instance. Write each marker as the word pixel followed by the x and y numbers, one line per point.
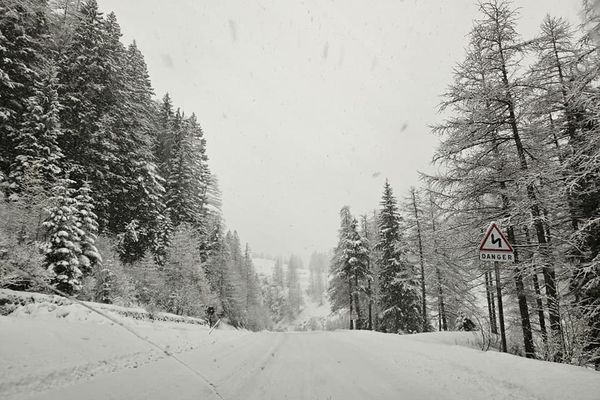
pixel 277 294
pixel 235 265
pixel 212 224
pixel 186 190
pixel 91 77
pixel 64 244
pixel 186 289
pixel 414 217
pixel 23 37
pixel 399 296
pixel 163 143
pixel 90 257
pixel 356 261
pixel 339 292
pixel 104 290
pixel 584 182
pixel 278 276
pixel 317 266
pixel 84 77
pixel 368 231
pixel 436 256
pixel 292 282
pixel 499 43
pixel 222 278
pixel 136 189
pixel 258 315
pixel 483 151
pixel 349 268
pixel 38 156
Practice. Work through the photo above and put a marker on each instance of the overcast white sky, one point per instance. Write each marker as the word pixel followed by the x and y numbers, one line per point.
pixel 309 105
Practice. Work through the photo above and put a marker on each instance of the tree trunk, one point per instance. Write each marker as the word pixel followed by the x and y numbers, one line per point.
pixel 370 305
pixel 547 268
pixel 523 308
pixel 538 297
pixel 421 262
pixel 441 300
pixel 489 290
pixel 522 299
pixel 438 273
pixel 351 309
pixel 358 323
pixel 365 228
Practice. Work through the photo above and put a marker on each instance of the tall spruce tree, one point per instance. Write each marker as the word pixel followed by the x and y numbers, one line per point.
pixel 350 269
pixel 37 153
pixel 23 52
pixel 64 245
pixel 399 298
pixel 90 257
pixel 292 282
pixel 87 92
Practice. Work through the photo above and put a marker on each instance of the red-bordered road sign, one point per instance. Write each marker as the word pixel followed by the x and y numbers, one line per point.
pixel 494 241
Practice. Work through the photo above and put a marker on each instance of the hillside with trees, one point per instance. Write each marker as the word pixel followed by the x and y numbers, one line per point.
pixel 519 146
pixel 107 191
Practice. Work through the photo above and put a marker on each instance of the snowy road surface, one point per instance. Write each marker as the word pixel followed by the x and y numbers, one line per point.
pixel 61 359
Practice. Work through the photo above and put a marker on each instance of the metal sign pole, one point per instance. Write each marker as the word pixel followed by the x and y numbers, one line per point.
pixel 214 326
pixel 500 308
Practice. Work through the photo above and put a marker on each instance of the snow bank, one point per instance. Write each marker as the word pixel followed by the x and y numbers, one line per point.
pixel 49 306
pixel 472 340
pixel 48 341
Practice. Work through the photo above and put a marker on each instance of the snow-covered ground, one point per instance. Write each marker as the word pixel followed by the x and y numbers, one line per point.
pixel 312 317
pixel 63 352
pixel 263 266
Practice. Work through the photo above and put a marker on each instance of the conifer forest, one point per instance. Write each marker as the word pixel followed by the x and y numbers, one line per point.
pixel 519 145
pixel 107 193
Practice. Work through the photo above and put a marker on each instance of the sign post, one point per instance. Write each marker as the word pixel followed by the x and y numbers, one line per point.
pixel 353 318
pixel 495 247
pixel 210 311
pixel 500 307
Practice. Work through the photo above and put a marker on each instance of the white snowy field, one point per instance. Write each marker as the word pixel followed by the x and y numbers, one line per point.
pixel 263 266
pixel 45 354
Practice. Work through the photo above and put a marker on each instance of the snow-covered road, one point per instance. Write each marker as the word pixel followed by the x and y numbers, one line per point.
pixel 50 351
pixel 341 365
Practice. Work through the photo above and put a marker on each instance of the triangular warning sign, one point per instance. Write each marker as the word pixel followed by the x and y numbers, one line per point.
pixel 495 241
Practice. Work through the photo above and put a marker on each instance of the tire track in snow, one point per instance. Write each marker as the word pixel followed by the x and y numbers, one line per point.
pixel 36 383
pixel 62 377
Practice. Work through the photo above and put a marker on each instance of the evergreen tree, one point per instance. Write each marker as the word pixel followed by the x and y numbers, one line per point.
pixel 37 153
pixel 87 223
pixel 186 289
pixel 64 246
pixel 186 188
pixel 339 291
pixel 415 221
pixel 292 282
pixel 23 35
pixel 86 93
pixel 92 91
pixel 316 266
pixel 399 299
pixel 278 273
pixel 136 189
pixel 164 136
pixel 349 267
